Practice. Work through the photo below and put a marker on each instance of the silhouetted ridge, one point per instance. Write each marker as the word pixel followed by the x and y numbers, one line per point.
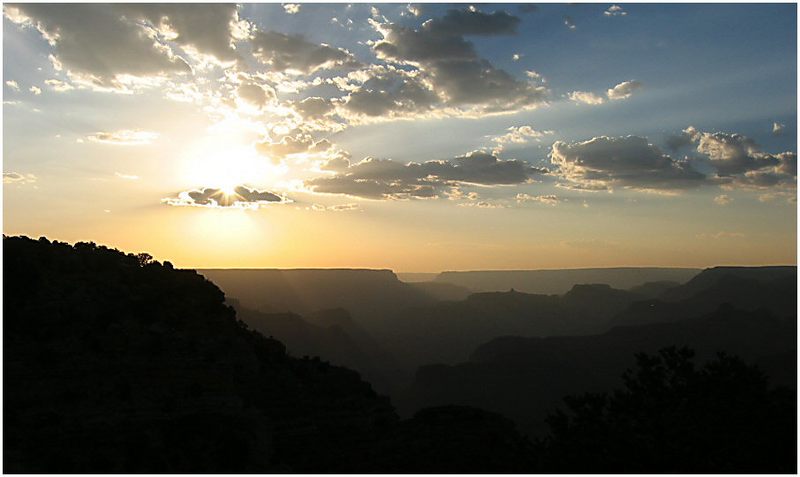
pixel 117 363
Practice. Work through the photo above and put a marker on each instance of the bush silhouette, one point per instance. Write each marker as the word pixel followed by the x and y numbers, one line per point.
pixel 672 417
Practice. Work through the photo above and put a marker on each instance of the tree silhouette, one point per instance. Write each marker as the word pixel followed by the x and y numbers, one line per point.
pixel 672 417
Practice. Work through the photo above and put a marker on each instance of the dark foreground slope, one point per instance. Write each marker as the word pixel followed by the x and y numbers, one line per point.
pixel 116 363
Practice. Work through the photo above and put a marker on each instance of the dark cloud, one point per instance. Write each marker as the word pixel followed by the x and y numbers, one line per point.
pixel 387 179
pixel 241 197
pixel 297 143
pixel 293 53
pixel 102 41
pixel 469 22
pixel 733 154
pixel 451 64
pixel 389 92
pixel 255 94
pixel 631 162
pixel 314 107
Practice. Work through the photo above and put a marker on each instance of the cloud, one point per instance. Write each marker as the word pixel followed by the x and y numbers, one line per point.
pixel 603 163
pixel 586 97
pixel 623 90
pixel 451 64
pixel 549 199
pixel 255 94
pixel 720 235
pixel 294 54
pixel 615 11
pixel 124 137
pixel 35 90
pixel 291 8
pixel 17 178
pixel 13 85
pixel 335 208
pixel 569 22
pixel 777 128
pixel 387 179
pixel 685 138
pixel 127 177
pixel 241 197
pixel 723 200
pixel 386 92
pixel 298 143
pixel 739 161
pixel 527 8
pixel 520 135
pixel 58 85
pixel 99 43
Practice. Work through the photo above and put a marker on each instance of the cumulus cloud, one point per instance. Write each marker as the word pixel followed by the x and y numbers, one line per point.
pixel 255 94
pixel 603 163
pixel 450 63
pixel 387 179
pixel 723 199
pixel 124 137
pixel 519 135
pixel 777 128
pixel 35 90
pixel 102 42
pixel 295 143
pixel 740 162
pixel 241 197
pixel 17 178
pixel 615 11
pixel 549 199
pixel 569 22
pixel 291 8
pixel 294 54
pixel 623 90
pixel 58 85
pixel 13 85
pixel 586 97
pixel 386 92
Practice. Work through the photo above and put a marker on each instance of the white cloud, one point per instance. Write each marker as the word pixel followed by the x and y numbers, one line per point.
pixel 13 85
pixel 17 178
pixel 777 128
pixel 549 199
pixel 35 90
pixel 586 97
pixel 291 8
pixel 623 90
pixel 124 137
pixel 723 199
pixel 615 11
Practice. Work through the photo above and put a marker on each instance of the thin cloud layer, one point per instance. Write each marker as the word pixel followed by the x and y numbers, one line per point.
pixel 387 179
pixel 125 137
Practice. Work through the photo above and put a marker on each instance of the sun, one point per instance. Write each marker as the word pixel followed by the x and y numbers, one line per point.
pixel 226 165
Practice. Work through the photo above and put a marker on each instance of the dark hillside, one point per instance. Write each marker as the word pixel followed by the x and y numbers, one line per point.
pixel 114 363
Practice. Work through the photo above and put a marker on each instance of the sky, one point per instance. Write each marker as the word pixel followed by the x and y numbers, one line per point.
pixel 414 137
